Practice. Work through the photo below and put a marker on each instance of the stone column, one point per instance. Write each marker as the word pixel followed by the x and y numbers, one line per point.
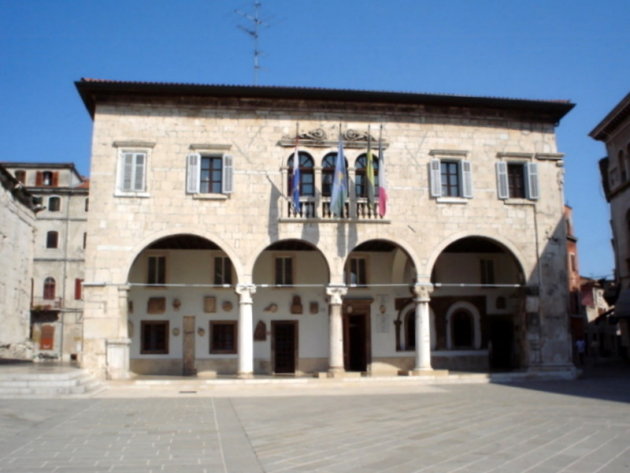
pixel 118 348
pixel 245 330
pixel 335 330
pixel 422 294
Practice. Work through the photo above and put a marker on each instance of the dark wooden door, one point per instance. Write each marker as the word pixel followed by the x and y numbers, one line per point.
pixel 284 346
pixel 355 342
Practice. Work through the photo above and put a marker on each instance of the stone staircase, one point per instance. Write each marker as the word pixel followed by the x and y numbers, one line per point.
pixel 45 380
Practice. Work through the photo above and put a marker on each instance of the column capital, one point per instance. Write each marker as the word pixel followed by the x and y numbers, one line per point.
pixel 246 291
pixel 422 291
pixel 336 293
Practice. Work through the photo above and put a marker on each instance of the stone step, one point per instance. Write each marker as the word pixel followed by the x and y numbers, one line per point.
pixel 34 383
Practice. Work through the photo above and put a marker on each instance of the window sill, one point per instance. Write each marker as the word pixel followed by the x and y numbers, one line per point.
pixel 452 200
pixel 141 195
pixel 209 196
pixel 519 202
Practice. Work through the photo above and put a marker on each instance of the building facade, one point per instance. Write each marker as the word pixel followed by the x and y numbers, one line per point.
pixel 222 240
pixel 58 260
pixel 614 132
pixel 17 214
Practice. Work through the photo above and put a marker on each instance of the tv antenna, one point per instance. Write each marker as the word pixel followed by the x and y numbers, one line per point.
pixel 253 30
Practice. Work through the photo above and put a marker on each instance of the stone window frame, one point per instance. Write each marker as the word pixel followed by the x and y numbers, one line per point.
pixel 217 340
pixel 194 159
pixel 476 325
pixel 135 149
pixel 464 176
pixel 530 172
pixel 52 239
pixel 144 326
pixel 54 203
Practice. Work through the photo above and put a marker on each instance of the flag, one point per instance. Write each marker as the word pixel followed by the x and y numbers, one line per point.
pixel 295 181
pixel 339 187
pixel 382 184
pixel 369 172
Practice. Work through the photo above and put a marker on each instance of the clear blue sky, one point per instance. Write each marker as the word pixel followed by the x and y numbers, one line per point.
pixel 533 49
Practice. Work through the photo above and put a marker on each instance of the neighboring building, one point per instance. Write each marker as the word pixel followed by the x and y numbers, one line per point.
pixel 614 132
pixel 17 214
pixel 200 261
pixel 576 317
pixel 60 239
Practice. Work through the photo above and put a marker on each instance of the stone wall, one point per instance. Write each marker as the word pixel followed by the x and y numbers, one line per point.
pixel 16 261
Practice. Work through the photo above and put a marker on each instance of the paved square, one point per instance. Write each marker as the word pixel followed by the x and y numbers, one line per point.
pixel 579 426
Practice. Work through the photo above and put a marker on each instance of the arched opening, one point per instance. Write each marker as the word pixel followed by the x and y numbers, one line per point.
pixel 378 310
pixel 181 295
pixel 478 300
pixel 49 288
pixel 290 309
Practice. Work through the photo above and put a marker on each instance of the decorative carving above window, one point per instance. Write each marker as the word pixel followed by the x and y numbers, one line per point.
pixel 318 138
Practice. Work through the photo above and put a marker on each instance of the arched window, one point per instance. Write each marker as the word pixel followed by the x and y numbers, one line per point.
pixel 52 239
pixel 328 173
pixel 307 177
pixel 361 178
pixel 463 327
pixel 54 204
pixel 49 288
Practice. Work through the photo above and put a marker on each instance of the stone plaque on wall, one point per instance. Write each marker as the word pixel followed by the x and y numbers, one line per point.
pixel 156 305
pixel 209 304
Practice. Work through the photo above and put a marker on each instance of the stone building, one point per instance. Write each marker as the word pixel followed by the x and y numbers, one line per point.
pixel 202 258
pixel 17 214
pixel 58 260
pixel 614 132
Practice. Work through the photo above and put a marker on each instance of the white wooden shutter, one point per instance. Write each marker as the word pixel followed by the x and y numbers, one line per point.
pixel 502 180
pixel 193 169
pixel 467 180
pixel 227 174
pixel 126 172
pixel 435 178
pixel 139 172
pixel 532 181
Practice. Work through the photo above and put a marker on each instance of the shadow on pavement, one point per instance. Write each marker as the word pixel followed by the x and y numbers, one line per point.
pixel 604 380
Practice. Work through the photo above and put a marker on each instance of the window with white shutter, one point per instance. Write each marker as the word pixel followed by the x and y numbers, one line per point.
pixel 132 167
pixel 209 174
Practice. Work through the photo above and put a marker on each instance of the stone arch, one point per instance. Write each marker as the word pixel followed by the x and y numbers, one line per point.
pixel 237 265
pixel 373 244
pixel 467 307
pixel 291 245
pixel 500 242
pixel 250 264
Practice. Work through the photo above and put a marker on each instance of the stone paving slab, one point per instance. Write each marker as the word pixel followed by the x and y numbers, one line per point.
pixel 541 427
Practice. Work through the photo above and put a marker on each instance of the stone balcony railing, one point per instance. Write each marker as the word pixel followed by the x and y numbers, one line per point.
pixel 39 303
pixel 319 209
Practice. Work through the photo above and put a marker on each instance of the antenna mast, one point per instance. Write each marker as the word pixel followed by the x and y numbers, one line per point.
pixel 253 31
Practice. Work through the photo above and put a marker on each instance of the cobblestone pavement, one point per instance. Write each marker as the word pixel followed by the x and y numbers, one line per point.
pixel 578 426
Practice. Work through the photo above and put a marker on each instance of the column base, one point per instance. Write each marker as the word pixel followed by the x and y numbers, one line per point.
pixel 336 372
pixel 423 372
pixel 247 375
pixel 118 358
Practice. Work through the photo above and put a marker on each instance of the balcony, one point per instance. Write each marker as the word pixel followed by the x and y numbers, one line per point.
pixel 318 209
pixel 39 303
